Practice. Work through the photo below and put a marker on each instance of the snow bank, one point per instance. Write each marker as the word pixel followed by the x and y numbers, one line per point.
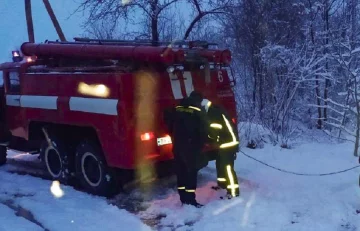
pixel 253 133
pixel 73 211
pixel 258 134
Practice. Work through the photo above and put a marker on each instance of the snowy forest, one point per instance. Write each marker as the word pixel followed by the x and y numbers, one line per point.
pixel 295 60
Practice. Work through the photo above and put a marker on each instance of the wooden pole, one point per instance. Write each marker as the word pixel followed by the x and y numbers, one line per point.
pixel 29 21
pixel 54 20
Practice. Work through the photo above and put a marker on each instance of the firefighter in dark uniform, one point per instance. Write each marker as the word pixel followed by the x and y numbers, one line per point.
pixel 188 129
pixel 225 134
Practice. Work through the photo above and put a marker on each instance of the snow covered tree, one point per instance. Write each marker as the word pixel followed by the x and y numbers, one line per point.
pixel 345 55
pixel 347 105
pixel 292 70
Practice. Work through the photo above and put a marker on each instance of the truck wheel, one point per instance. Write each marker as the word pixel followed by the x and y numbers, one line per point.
pixel 57 160
pixel 92 171
pixel 3 153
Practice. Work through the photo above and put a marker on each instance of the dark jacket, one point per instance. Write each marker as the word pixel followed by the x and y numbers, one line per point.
pixel 188 128
pixel 223 129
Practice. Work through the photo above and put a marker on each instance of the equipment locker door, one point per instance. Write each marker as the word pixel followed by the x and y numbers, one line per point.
pixel 14 112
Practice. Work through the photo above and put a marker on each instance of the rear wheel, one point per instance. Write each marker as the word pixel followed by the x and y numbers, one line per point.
pixel 3 153
pixel 57 160
pixel 92 171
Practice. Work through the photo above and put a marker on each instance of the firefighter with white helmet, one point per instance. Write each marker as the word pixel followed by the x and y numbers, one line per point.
pixel 225 134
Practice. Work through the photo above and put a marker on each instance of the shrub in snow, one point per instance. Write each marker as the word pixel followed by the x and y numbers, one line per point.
pixel 254 135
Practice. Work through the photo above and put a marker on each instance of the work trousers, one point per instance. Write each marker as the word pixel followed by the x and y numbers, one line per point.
pixel 226 176
pixel 186 182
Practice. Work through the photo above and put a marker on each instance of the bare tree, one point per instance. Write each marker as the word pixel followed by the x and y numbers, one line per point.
pixel 313 15
pixel 114 10
pixel 298 67
pixel 101 31
pixel 348 60
pixel 151 10
pixel 253 25
pixel 204 8
pixel 345 52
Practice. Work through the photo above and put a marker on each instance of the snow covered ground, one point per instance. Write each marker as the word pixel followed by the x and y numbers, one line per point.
pixel 270 199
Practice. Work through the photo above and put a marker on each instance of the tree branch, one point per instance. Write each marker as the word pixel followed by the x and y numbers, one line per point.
pixel 197 19
pixel 197 6
pixel 164 6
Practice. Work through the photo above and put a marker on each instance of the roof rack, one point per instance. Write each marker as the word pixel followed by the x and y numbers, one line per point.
pixel 179 43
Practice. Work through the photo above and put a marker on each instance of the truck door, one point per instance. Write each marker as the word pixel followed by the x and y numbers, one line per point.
pixel 14 112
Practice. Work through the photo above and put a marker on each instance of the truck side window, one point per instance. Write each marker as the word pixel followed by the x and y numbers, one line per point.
pixel 14 85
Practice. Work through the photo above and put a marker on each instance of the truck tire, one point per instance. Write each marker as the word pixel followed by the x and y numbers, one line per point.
pixel 92 171
pixel 3 153
pixel 57 160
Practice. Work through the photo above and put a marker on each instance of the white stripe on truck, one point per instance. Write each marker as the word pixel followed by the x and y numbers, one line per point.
pixel 40 102
pixel 189 87
pixel 175 86
pixel 13 100
pixel 92 105
pixel 32 101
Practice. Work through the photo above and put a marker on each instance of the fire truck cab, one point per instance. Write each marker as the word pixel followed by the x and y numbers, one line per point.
pixel 91 107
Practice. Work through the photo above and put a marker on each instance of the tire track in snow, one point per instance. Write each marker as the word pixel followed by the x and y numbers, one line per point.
pixel 22 212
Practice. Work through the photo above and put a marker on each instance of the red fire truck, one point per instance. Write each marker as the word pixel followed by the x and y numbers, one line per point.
pixel 90 107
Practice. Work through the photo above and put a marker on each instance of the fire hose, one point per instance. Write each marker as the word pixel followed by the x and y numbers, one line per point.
pixel 301 174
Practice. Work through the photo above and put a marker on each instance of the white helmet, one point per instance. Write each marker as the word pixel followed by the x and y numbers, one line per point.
pixel 206 104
